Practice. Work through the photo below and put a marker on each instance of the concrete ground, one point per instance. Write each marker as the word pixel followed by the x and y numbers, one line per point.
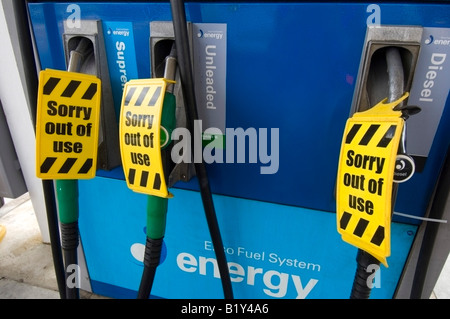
pixel 26 266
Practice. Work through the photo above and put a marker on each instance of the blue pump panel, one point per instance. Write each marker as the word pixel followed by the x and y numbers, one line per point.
pixel 290 66
pixel 274 251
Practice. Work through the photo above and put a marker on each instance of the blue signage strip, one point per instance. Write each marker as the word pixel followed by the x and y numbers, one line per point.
pixel 121 53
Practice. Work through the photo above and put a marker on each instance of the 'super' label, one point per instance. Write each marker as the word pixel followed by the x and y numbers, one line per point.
pixel 140 134
pixel 365 178
pixel 121 53
pixel 68 113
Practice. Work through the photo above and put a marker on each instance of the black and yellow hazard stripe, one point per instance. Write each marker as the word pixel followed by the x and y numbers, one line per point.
pixel 137 95
pixel 144 178
pixel 369 134
pixel 361 226
pixel 69 89
pixel 66 166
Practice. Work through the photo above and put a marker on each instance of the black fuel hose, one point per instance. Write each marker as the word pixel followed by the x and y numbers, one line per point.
pixel 55 239
pixel 70 241
pixel 20 10
pixel 187 83
pixel 152 255
pixel 361 288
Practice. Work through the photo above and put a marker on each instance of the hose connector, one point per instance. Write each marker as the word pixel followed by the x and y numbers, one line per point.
pixel 152 255
pixel 361 288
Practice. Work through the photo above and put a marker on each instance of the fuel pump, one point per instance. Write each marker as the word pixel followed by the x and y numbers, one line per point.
pixel 268 173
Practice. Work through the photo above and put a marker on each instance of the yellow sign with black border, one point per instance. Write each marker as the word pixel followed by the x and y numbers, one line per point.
pixel 365 177
pixel 67 125
pixel 140 133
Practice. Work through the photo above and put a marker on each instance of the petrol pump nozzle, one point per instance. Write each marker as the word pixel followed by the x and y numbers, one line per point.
pixel 361 288
pixel 67 190
pixel 170 68
pixel 157 206
pixel 79 55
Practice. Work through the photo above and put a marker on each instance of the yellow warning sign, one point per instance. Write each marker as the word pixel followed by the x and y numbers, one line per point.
pixel 365 177
pixel 139 130
pixel 68 112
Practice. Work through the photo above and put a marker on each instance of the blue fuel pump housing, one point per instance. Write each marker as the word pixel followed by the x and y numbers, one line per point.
pixel 275 82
